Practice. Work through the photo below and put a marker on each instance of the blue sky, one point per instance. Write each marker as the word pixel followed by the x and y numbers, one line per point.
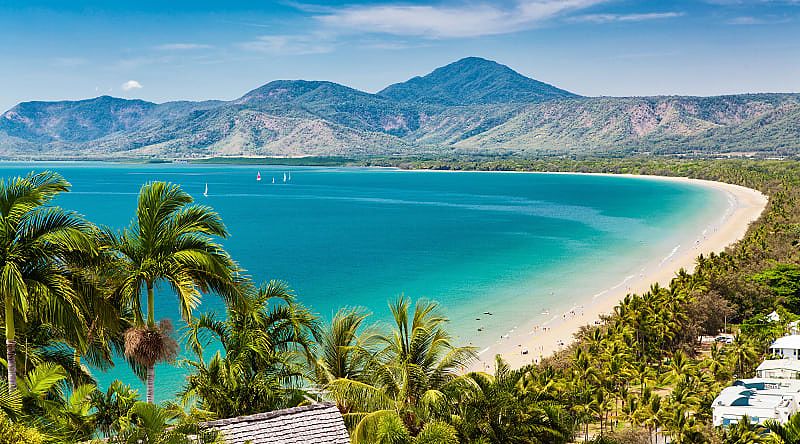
pixel 178 49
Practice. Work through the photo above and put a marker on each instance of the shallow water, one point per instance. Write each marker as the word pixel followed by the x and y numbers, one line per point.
pixel 517 245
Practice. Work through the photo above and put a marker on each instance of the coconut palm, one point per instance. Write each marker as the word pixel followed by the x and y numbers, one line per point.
pixel 266 338
pixel 152 424
pixel 742 357
pixel 745 432
pixel 788 433
pixel 416 361
pixel 171 240
pixel 499 408
pixel 343 347
pixel 37 243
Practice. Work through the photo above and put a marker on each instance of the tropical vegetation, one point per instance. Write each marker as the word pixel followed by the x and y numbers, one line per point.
pixel 76 295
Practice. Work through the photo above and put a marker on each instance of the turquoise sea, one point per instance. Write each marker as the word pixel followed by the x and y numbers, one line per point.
pixel 516 245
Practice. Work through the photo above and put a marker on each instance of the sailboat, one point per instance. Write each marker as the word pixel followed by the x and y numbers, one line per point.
pixel 290 176
pixel 284 177
pixel 273 180
pixel 205 193
pixel 258 176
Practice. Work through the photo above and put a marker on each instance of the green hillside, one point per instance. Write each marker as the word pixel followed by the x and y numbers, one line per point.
pixel 470 106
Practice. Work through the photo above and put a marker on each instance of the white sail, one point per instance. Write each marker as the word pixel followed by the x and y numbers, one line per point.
pixel 205 193
pixel 284 177
pixel 290 176
pixel 258 176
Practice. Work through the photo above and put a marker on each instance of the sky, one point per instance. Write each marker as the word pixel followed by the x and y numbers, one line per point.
pixel 162 50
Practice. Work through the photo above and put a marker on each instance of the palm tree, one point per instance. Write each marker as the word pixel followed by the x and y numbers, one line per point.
pixel 112 406
pixel 742 357
pixel 37 243
pixel 415 363
pixel 266 338
pixel 342 349
pixel 500 408
pixel 170 240
pixel 152 424
pixel 788 433
pixel 745 432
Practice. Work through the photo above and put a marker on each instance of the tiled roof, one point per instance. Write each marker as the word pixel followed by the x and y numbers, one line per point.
pixel 311 424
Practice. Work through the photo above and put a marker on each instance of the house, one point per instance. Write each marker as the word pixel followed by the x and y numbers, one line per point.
pixel 779 369
pixel 311 424
pixel 758 399
pixel 787 347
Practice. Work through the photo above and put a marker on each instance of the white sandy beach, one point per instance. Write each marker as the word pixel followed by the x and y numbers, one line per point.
pixel 540 340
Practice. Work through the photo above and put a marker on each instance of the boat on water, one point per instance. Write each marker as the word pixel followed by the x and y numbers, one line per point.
pixel 290 176
pixel 258 176
pixel 273 180
pixel 284 177
pixel 205 193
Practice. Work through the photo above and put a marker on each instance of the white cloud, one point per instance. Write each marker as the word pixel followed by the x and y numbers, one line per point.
pixel 450 21
pixel 609 18
pixel 130 85
pixel 290 44
pixel 750 20
pixel 182 46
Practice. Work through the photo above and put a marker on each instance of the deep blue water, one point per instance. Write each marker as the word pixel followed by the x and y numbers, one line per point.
pixel 513 244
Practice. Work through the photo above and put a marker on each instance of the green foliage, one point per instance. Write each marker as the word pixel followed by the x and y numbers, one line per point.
pixel 437 432
pixel 784 281
pixel 170 240
pixel 15 433
pixel 638 371
pixel 266 337
pixel 415 361
pixel 788 433
pixel 152 424
pixel 112 407
pixel 744 432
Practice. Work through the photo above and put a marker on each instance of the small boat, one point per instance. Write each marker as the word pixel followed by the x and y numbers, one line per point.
pixel 273 180
pixel 258 176
pixel 205 193
pixel 284 177
pixel 290 176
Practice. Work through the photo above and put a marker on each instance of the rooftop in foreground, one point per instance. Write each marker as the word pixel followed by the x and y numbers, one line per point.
pixel 311 424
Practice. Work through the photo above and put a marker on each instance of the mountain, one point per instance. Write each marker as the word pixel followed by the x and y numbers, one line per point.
pixel 473 81
pixel 469 106
pixel 756 122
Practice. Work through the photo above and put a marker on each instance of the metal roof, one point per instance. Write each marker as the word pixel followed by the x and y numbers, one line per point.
pixel 790 342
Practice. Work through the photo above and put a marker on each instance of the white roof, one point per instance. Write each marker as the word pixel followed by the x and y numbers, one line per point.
pixel 758 393
pixel 774 316
pixel 780 364
pixel 790 342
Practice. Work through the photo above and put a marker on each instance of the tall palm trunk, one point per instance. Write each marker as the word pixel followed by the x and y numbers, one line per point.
pixel 151 317
pixel 151 322
pixel 151 383
pixel 11 345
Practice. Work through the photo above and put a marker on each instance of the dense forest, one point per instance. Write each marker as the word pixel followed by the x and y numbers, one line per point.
pixel 76 295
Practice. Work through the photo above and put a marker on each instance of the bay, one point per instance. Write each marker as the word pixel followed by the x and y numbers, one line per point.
pixel 517 245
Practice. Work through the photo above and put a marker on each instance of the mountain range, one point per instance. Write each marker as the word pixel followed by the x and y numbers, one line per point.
pixel 471 106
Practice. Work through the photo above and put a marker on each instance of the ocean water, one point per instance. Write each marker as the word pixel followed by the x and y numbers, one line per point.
pixel 517 245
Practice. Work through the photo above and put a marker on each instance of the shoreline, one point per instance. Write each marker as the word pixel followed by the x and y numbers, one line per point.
pixel 542 340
